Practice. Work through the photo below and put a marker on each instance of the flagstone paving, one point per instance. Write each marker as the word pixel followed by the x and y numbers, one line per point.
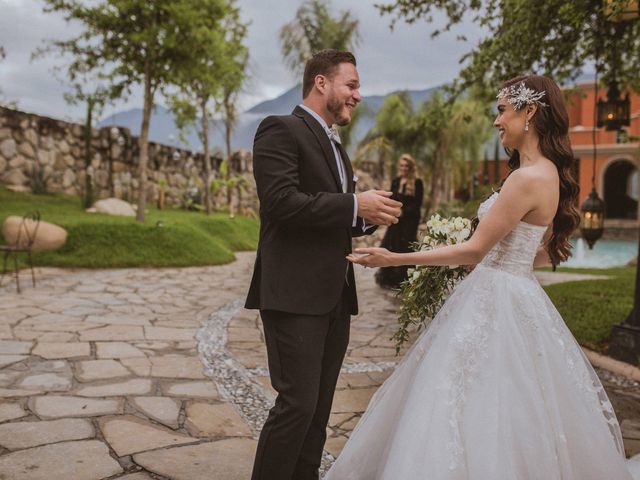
pixel 140 374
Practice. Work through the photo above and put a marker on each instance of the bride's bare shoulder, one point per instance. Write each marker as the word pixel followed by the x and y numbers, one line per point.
pixel 543 175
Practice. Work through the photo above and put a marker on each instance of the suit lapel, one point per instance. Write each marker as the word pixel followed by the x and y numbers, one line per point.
pixel 348 168
pixel 324 141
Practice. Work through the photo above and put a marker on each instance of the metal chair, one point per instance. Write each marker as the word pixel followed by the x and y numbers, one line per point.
pixel 25 239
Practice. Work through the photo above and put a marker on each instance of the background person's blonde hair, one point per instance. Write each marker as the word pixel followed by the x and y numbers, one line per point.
pixel 411 174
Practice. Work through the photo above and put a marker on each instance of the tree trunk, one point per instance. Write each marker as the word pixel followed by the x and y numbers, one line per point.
pixel 496 164
pixel 446 186
pixel 435 192
pixel 144 143
pixel 207 159
pixel 88 185
pixel 228 128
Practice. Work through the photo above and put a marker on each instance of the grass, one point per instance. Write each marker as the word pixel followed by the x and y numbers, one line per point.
pixel 167 238
pixel 591 307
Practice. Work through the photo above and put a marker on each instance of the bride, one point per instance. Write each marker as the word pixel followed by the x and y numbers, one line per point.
pixel 497 387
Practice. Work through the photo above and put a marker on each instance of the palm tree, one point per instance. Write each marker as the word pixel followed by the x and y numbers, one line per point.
pixel 446 138
pixel 314 29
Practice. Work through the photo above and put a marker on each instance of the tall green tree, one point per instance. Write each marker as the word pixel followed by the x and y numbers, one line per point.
pixel 234 77
pixel 137 42
pixel 552 37
pixel 434 120
pixel 472 130
pixel 95 98
pixel 347 131
pixel 211 83
pixel 314 28
pixel 446 137
pixel 3 55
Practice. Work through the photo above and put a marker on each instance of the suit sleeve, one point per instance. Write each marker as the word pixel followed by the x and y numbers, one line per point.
pixel 275 167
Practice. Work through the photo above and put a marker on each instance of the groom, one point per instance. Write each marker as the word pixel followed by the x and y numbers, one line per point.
pixel 302 282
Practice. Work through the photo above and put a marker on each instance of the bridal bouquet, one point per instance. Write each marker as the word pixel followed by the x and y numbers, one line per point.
pixel 426 288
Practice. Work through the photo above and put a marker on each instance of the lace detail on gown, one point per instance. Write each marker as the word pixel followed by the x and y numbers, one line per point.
pixel 495 387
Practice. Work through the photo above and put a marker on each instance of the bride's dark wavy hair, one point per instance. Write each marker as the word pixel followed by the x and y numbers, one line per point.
pixel 551 123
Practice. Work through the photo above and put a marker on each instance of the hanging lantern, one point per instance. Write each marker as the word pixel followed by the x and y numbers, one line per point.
pixel 592 218
pixel 614 112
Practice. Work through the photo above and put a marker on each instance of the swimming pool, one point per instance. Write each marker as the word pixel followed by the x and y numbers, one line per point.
pixel 605 253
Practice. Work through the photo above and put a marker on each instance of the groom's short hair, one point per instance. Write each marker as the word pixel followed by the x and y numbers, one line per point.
pixel 325 62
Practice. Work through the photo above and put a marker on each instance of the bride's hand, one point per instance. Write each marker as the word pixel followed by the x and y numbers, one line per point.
pixel 371 257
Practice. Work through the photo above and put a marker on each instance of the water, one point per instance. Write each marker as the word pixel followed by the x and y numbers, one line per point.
pixel 605 253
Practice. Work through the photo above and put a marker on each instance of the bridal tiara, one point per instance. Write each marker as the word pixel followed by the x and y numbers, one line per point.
pixel 520 95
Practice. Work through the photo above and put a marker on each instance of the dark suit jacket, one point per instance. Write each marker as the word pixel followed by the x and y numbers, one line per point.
pixel 306 219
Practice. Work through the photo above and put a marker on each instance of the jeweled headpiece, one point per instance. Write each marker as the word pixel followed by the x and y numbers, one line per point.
pixel 520 95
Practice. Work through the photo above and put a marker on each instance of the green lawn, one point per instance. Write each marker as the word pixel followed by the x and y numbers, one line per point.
pixel 169 237
pixel 591 307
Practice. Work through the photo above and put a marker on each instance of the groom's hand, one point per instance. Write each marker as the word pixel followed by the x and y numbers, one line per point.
pixel 377 208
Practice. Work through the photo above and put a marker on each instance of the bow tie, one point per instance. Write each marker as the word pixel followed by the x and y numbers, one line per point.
pixel 332 132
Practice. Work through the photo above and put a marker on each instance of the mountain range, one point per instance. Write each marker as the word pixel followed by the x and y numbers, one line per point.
pixel 163 128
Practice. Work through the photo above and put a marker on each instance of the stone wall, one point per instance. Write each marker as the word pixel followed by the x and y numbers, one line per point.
pixel 31 145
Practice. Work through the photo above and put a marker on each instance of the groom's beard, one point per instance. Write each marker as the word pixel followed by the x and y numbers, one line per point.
pixel 336 108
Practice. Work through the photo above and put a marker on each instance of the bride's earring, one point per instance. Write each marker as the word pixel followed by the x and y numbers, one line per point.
pixel 526 124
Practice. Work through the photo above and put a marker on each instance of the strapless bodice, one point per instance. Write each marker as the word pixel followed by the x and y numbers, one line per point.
pixel 516 251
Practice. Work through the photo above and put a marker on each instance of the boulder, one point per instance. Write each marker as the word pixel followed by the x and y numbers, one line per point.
pixel 19 188
pixel 48 235
pixel 113 206
pixel 14 177
pixel 633 262
pixel 8 148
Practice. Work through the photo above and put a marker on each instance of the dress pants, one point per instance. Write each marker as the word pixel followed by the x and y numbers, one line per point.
pixel 305 354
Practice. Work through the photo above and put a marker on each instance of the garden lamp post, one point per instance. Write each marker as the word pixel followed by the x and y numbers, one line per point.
pixel 614 113
pixel 592 218
pixel 625 337
pixel 593 208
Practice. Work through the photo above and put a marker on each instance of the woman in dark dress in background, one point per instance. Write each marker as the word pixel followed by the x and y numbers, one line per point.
pixel 409 190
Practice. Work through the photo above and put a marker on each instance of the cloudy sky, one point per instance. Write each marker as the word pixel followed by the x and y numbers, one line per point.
pixel 387 60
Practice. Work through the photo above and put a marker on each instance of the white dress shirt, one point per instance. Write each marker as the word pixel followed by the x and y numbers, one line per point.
pixel 339 162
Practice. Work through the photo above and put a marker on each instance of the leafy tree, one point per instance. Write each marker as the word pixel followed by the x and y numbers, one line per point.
pixel 233 82
pixel 314 29
pixel 137 42
pixel 401 126
pixel 553 37
pixel 4 102
pixel 347 131
pixel 472 130
pixel 446 137
pixel 234 77
pixel 434 120
pixel 3 55
pixel 211 81
pixel 95 102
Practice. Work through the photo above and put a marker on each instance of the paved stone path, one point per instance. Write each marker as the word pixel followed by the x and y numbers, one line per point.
pixel 108 374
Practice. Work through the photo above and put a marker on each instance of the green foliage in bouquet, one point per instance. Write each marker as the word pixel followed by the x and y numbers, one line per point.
pixel 427 287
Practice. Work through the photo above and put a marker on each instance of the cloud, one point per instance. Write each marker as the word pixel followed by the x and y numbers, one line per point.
pixel 387 60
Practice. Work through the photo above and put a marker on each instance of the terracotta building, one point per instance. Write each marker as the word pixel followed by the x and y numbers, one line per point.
pixel 617 155
pixel 617 160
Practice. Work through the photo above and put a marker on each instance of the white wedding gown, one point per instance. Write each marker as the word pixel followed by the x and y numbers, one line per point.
pixel 496 388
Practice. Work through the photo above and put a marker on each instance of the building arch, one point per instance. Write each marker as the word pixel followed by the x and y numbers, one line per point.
pixel 620 183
